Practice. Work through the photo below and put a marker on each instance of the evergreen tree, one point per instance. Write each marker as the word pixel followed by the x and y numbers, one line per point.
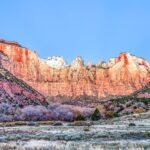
pixel 80 118
pixel 96 115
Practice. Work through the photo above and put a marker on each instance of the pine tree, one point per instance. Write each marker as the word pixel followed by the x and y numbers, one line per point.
pixel 80 118
pixel 96 115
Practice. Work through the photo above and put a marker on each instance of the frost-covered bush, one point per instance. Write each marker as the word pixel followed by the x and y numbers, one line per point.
pixel 87 112
pixel 64 113
pixel 53 106
pixel 7 109
pixel 6 118
pixel 54 111
pixel 61 112
pixel 68 112
pixel 3 108
pixel 34 113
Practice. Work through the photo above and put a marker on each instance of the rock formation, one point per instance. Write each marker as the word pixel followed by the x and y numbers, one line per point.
pixel 53 77
pixel 10 42
pixel 77 64
pixel 17 92
pixel 55 62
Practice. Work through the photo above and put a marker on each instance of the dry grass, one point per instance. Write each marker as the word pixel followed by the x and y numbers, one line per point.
pixel 26 123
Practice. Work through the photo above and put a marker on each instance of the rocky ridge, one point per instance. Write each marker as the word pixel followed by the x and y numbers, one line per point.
pixel 57 62
pixel 16 92
pixel 54 77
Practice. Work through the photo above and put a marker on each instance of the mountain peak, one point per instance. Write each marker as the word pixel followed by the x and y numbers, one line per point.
pixel 124 57
pixel 129 59
pixel 77 63
pixel 56 62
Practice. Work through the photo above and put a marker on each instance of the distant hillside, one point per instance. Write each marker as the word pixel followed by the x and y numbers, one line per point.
pixel 16 91
pixel 137 102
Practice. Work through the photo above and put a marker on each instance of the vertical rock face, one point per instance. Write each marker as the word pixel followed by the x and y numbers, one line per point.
pixel 52 77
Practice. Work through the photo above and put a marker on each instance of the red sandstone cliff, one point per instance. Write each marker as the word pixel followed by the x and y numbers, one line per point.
pixel 120 76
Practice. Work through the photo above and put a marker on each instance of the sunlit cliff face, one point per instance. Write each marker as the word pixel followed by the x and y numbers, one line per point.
pixel 54 77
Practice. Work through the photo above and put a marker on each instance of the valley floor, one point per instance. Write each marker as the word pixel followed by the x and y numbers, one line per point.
pixel 125 133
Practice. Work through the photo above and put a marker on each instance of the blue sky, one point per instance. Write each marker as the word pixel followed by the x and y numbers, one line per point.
pixel 94 29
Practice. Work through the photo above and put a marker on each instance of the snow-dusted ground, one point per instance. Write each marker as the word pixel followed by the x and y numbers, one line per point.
pixel 104 135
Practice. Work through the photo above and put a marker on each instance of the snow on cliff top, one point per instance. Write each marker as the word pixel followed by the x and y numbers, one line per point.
pixel 57 62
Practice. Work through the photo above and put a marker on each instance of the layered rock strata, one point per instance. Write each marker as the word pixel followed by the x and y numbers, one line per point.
pixel 119 76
